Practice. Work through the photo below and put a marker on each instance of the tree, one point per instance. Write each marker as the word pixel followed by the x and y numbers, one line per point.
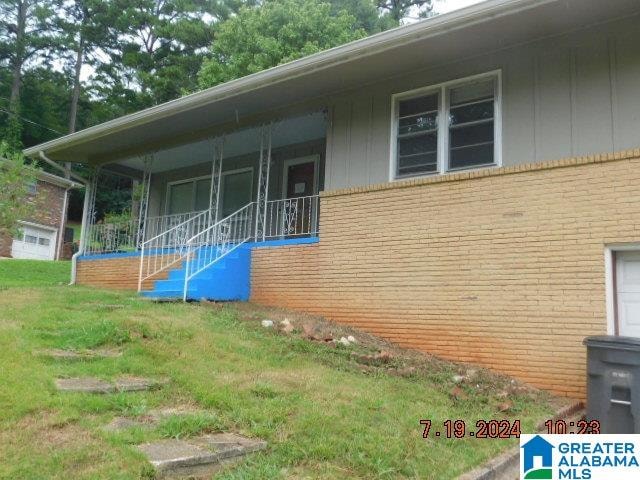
pixel 15 177
pixel 273 33
pixel 399 9
pixel 87 34
pixel 162 44
pixel 27 27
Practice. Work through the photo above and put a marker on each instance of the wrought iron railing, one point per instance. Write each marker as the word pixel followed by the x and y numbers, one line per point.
pixel 212 244
pixel 169 247
pixel 112 237
pixel 291 217
pixel 154 226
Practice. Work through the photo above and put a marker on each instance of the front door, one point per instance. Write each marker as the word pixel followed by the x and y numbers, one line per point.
pixel 628 293
pixel 300 176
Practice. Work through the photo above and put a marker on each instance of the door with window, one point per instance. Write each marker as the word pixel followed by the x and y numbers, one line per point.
pixel 628 293
pixel 299 188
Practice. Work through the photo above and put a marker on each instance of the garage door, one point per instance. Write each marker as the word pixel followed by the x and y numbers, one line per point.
pixel 34 242
pixel 628 293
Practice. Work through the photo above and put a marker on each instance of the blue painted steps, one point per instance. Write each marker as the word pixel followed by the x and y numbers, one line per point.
pixel 227 279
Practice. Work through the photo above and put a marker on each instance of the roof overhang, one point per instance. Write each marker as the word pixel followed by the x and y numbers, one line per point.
pixel 485 27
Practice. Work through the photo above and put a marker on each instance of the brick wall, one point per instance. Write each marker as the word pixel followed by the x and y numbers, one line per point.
pixel 49 202
pixel 113 272
pixel 503 267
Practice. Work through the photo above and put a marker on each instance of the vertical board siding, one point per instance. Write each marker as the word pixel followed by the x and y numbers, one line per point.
pixel 504 270
pixel 572 95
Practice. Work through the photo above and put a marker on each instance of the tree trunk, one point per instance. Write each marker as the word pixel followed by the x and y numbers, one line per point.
pixel 18 59
pixel 14 130
pixel 75 94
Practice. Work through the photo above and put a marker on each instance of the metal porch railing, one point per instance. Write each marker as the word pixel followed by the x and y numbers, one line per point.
pixel 217 241
pixel 169 247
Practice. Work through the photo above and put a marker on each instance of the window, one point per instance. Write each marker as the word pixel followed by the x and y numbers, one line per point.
pixel 452 126
pixel 237 190
pixel 188 196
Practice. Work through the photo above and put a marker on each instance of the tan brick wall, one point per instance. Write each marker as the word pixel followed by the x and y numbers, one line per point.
pixel 503 267
pixel 114 273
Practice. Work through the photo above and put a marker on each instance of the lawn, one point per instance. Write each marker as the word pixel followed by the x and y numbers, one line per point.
pixel 322 416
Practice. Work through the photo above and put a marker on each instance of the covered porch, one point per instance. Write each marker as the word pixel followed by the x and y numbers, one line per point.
pixel 195 203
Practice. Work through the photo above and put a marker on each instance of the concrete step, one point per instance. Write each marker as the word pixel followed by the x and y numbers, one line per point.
pixel 198 457
pixel 96 385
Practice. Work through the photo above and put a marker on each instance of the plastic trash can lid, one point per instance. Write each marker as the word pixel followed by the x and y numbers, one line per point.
pixel 613 341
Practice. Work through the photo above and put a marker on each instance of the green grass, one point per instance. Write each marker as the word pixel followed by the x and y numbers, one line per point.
pixel 33 273
pixel 321 416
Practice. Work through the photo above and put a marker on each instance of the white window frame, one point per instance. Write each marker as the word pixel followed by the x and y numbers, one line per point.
pixel 178 182
pixel 443 128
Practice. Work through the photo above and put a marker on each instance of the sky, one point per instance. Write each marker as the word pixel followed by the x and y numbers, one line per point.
pixel 444 6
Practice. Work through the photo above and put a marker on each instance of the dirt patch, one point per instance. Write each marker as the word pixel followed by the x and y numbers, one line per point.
pixel 372 355
pixel 47 431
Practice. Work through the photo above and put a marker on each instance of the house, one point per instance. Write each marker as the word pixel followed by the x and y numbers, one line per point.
pixel 466 185
pixel 42 236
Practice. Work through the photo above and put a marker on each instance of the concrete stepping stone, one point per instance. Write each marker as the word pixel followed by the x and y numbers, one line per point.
pixel 152 418
pixel 96 385
pixel 200 456
pixel 60 354
pixel 84 385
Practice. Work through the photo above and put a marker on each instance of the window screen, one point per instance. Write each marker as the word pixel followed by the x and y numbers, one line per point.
pixel 417 139
pixel 471 125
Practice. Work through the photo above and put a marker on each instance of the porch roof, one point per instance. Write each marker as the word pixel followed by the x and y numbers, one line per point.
pixel 488 26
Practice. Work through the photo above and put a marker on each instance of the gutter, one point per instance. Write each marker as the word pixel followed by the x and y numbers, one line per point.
pixel 374 44
pixel 85 183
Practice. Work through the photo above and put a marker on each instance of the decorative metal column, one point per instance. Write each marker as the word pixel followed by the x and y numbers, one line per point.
pixel 143 210
pixel 263 182
pixel 217 146
pixel 89 209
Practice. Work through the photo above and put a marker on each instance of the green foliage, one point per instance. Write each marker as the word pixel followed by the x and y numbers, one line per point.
pixel 15 177
pixel 276 32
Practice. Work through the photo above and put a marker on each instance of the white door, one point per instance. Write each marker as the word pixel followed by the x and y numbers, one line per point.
pixel 35 243
pixel 628 293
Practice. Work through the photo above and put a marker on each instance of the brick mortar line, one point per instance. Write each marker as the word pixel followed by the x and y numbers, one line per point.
pixel 488 172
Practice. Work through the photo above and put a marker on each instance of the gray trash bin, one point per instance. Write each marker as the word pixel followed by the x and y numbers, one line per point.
pixel 613 383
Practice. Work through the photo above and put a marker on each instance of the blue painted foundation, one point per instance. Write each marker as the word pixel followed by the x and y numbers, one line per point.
pixel 229 279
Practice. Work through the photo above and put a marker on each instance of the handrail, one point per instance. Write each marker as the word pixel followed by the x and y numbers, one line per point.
pixel 169 247
pixel 217 241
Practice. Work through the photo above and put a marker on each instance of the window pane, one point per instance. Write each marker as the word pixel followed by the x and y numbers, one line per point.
pixel 471 156
pixel 417 164
pixel 236 191
pixel 426 143
pixel 30 239
pixel 471 124
pixel 203 192
pixel 471 92
pixel 471 135
pixel 44 241
pixel 414 106
pixel 181 198
pixel 472 112
pixel 418 123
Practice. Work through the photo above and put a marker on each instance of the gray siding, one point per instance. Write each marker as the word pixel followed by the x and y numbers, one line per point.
pixel 565 96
